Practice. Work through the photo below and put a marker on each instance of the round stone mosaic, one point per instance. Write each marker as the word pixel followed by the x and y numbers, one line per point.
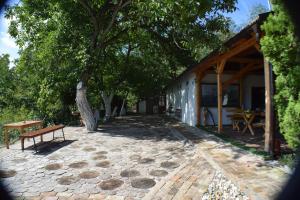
pixel 130 173
pixel 135 157
pixel 143 183
pixel 53 166
pixel 116 150
pixel 101 152
pixel 88 174
pixel 7 173
pixel 146 160
pixel 89 149
pixel 104 164
pixel 78 165
pixel 111 184
pixel 158 173
pixel 99 157
pixel 67 180
pixel 169 165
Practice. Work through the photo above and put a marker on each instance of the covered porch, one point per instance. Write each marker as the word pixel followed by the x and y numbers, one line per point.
pixel 235 88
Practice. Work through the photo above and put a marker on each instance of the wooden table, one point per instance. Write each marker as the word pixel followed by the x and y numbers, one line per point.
pixel 20 126
pixel 248 118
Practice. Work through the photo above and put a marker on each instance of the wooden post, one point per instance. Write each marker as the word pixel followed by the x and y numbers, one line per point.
pixel 220 69
pixel 220 88
pixel 269 116
pixel 241 93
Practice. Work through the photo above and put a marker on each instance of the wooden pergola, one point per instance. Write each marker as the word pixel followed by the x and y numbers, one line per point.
pixel 243 50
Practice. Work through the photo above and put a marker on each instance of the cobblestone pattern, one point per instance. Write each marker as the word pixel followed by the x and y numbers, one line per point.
pixel 146 157
pixel 89 165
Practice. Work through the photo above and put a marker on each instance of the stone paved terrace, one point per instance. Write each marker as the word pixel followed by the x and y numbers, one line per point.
pixel 138 157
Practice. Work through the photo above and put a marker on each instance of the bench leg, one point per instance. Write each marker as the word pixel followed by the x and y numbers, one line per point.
pixel 34 144
pixel 53 135
pixel 22 143
pixel 63 134
pixel 42 138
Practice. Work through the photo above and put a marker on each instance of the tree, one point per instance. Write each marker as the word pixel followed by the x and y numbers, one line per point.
pixel 85 29
pixel 281 47
pixel 6 84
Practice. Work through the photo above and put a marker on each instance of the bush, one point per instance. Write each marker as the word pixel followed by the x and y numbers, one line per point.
pixel 281 48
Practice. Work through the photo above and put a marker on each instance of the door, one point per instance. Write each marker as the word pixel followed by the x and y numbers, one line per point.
pixel 258 98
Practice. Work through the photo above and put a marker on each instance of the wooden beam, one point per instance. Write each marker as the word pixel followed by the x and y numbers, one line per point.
pixel 248 68
pixel 244 60
pixel 238 49
pixel 215 59
pixel 269 115
pixel 198 95
pixel 220 121
pixel 221 65
pixel 257 47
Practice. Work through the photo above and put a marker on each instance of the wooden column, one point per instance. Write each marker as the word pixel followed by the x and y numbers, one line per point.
pixel 220 90
pixel 269 118
pixel 220 68
pixel 241 93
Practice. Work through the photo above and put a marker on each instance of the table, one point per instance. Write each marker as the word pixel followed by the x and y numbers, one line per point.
pixel 248 118
pixel 20 126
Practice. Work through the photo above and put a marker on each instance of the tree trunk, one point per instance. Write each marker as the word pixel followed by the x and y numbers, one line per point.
pixel 107 104
pixel 123 104
pixel 84 108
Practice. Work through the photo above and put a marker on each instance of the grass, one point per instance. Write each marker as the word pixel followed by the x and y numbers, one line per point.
pixel 285 159
pixel 239 144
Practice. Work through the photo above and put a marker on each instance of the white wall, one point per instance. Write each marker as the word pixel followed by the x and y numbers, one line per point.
pixel 176 96
pixel 182 96
pixel 142 107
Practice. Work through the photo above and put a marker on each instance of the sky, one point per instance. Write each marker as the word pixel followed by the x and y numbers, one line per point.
pixel 8 46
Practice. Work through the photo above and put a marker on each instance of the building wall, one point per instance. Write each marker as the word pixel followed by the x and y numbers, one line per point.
pixel 142 107
pixel 182 96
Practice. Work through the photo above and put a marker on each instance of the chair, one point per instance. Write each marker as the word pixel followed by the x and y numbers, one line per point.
pixel 235 118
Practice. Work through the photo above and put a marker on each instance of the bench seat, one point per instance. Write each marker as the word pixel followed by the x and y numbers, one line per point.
pixel 40 132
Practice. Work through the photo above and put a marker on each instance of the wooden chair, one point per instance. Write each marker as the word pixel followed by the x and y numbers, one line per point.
pixel 236 119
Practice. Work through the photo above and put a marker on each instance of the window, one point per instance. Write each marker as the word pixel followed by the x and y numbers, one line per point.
pixel 210 95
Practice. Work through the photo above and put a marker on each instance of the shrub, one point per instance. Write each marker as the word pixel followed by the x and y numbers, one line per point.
pixel 281 48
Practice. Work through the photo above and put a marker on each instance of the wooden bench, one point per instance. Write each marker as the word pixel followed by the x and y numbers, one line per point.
pixel 40 132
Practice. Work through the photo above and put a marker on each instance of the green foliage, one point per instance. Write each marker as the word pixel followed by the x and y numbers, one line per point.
pixel 12 114
pixel 131 48
pixel 282 48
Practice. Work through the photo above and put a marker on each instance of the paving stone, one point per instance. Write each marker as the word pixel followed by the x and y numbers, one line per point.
pixel 146 160
pixel 158 173
pixel 142 183
pixel 78 165
pixel 103 164
pixel 88 174
pixel 139 146
pixel 67 180
pixel 53 166
pixel 130 173
pixel 110 184
pixel 169 165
